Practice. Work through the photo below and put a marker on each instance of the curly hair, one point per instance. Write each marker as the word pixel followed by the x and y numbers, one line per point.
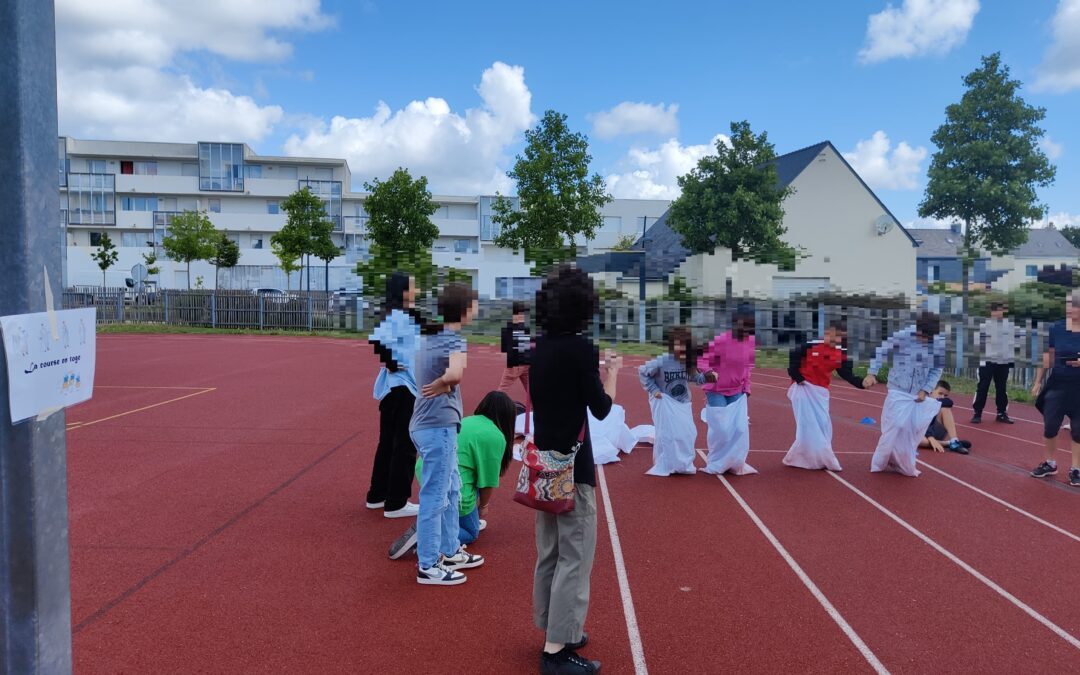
pixel 566 302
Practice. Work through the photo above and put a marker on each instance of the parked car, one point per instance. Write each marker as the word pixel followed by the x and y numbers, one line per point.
pixel 274 295
pixel 346 296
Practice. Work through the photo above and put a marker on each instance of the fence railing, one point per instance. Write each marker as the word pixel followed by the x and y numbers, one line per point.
pixel 780 325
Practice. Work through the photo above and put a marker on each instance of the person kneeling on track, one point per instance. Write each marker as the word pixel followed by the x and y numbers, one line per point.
pixel 944 425
pixel 1059 396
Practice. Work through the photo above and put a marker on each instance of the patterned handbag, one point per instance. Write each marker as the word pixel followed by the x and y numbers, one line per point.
pixel 546 480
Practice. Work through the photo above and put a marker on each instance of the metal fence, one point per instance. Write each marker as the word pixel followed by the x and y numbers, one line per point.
pixel 780 324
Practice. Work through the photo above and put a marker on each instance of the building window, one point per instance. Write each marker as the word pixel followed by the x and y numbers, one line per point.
pixel 189 169
pixel 517 288
pixel 139 204
pixel 1032 270
pixel 145 168
pixel 221 167
pixel 95 165
pixel 273 208
pixel 62 147
pixel 256 242
pixel 612 224
pixel 162 221
pixel 329 191
pixel 253 171
pixel 463 246
pixel 92 199
pixel 95 239
pixel 127 168
pixel 214 205
pixel 130 239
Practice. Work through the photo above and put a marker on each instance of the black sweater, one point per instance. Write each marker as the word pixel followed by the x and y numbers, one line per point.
pixel 564 380
pixel 516 344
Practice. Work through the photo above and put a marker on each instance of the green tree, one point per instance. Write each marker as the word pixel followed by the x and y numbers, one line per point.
pixel 558 199
pixel 326 250
pixel 226 254
pixel 106 256
pixel 988 165
pixel 400 230
pixel 150 261
pixel 287 260
pixel 307 225
pixel 1072 233
pixel 625 242
pixel 191 237
pixel 734 200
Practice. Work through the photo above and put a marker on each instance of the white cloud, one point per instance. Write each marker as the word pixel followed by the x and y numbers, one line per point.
pixel 653 173
pixel 917 28
pixel 459 153
pixel 629 118
pixel 1052 148
pixel 1060 67
pixel 1063 219
pixel 117 74
pixel 885 167
pixel 930 224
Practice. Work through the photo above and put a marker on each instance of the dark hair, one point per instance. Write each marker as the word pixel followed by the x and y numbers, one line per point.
pixel 502 411
pixel 928 324
pixel 396 286
pixel 682 334
pixel 566 302
pixel 944 385
pixel 838 325
pixel 744 313
pixel 996 306
pixel 519 307
pixel 455 301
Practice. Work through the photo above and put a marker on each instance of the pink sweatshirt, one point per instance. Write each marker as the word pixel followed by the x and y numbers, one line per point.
pixel 732 362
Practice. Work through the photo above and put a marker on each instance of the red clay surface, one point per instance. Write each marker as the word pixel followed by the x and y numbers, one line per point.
pixel 217 525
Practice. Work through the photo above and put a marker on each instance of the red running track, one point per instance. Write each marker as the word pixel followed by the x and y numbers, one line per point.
pixel 217 525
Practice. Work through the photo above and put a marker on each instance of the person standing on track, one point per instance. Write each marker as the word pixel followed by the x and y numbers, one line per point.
pixel 918 361
pixel 1059 395
pixel 565 383
pixel 435 424
pixel 727 363
pixel 998 337
pixel 811 367
pixel 517 345
pixel 395 340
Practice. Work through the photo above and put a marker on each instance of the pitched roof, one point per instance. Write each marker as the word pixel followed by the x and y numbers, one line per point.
pixel 1042 242
pixel 789 166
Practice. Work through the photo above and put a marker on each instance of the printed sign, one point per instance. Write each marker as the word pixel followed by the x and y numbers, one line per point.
pixel 50 360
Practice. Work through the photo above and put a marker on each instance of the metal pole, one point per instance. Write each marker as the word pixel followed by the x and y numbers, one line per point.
pixel 641 281
pixel 35 596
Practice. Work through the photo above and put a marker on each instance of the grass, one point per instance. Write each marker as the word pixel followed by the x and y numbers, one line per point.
pixel 764 358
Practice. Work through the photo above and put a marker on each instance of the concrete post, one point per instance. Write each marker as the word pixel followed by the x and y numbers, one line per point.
pixel 35 597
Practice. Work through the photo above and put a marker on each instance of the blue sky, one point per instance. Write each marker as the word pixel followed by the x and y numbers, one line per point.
pixel 459 82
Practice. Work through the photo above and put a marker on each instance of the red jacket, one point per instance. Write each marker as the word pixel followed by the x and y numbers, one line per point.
pixel 815 362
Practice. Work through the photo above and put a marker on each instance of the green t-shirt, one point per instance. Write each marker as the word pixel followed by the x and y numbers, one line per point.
pixel 480 447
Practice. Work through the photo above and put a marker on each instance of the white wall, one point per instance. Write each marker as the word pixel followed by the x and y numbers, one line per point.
pixel 1017 274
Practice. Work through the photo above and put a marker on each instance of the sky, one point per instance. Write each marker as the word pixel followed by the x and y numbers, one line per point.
pixel 447 90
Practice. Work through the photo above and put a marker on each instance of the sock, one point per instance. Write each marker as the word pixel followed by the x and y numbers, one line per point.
pixel 955 441
pixel 1052 463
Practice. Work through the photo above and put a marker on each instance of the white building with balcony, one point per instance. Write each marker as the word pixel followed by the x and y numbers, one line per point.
pixel 131 190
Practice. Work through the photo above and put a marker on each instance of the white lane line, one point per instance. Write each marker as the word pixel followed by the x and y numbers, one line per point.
pixel 1004 503
pixel 1027 609
pixel 632 632
pixel 1017 419
pixel 835 615
pixel 958 425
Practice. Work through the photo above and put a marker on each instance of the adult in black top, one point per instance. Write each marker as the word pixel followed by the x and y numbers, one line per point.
pixel 565 382
pixel 517 345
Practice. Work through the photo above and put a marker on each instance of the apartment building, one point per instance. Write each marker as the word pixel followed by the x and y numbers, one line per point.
pixel 132 190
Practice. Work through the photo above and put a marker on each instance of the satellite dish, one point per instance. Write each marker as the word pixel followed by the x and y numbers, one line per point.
pixel 883 224
pixel 138 273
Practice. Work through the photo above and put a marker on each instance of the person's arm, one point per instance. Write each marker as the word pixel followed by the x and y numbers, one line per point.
pixel 507 341
pixel 455 371
pixel 599 394
pixel 483 499
pixel 647 377
pixel 1047 362
pixel 881 354
pixel 386 337
pixel 937 352
pixel 795 359
pixel 847 372
pixel 749 366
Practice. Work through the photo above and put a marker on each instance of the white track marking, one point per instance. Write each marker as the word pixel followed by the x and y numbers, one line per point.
pixel 1004 503
pixel 636 648
pixel 835 615
pixel 1017 602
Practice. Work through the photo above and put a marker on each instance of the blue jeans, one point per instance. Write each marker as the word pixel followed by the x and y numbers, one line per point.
pixel 440 491
pixel 716 400
pixel 469 526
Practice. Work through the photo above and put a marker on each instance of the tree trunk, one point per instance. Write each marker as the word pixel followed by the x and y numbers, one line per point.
pixel 102 279
pixel 217 277
pixel 326 277
pixel 308 258
pixel 965 268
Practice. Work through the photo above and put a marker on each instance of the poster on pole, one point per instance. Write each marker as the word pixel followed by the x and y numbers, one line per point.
pixel 50 360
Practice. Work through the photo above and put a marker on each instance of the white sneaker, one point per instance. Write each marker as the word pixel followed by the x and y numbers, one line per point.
pixel 483 524
pixel 438 575
pixel 375 505
pixel 408 511
pixel 462 560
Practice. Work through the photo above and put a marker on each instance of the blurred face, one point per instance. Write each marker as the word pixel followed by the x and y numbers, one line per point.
pixel 680 349
pixel 923 337
pixel 998 313
pixel 471 313
pixel 834 337
pixel 409 297
pixel 744 326
pixel 1073 309
pixel 939 393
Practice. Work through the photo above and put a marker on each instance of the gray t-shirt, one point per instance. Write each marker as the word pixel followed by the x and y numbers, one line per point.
pixel 432 361
pixel 667 375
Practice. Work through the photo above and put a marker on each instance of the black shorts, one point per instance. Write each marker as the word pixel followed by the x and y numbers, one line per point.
pixel 1061 402
pixel 936 430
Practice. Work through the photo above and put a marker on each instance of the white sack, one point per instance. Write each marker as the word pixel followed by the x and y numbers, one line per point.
pixel 644 433
pixel 610 436
pixel 729 438
pixel 812 448
pixel 676 437
pixel 903 425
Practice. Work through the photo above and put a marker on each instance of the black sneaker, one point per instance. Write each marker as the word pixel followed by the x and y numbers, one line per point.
pixel 1043 470
pixel 404 543
pixel 580 644
pixel 567 662
pixel 976 418
pixel 1003 418
pixel 958 447
pixel 1074 477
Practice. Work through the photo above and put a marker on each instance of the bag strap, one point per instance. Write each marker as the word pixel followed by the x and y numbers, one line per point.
pixel 528 418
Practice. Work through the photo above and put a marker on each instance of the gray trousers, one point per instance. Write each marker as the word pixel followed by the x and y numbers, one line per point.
pixel 565 547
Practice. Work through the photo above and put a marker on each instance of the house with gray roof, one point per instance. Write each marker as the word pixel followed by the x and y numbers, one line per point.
pixel 849 240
